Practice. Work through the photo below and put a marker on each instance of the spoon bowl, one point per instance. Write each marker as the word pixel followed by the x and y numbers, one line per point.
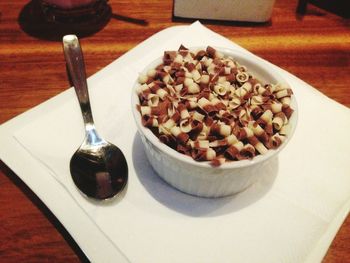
pixel 98 168
pixel 99 172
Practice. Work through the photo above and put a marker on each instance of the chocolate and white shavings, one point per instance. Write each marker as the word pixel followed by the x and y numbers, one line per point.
pixel 208 106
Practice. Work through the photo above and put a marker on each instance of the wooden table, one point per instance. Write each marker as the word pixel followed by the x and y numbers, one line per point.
pixel 314 46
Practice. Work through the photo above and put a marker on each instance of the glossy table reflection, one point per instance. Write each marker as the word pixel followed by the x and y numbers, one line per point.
pixel 315 46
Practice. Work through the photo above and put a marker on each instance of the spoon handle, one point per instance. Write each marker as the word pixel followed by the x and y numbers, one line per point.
pixel 76 68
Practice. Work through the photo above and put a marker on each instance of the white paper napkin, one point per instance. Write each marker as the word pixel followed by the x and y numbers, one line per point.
pixel 288 216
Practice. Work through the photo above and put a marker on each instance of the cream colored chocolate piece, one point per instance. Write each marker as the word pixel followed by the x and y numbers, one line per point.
pixel 276 107
pixel 202 102
pixel 267 116
pixel 142 78
pixel 197 116
pixel 204 79
pixel 211 154
pixel 153 100
pixel 225 130
pixel 145 110
pixel 151 73
pixel 162 93
pixel 260 148
pixel 169 124
pixel 238 145
pixel 185 126
pixel 193 88
pixel 176 131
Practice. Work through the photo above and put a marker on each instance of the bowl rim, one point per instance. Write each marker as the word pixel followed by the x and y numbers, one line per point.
pixel 238 56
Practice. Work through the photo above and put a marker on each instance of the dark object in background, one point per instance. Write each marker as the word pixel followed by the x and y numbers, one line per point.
pixel 51 23
pixel 76 15
pixel 338 7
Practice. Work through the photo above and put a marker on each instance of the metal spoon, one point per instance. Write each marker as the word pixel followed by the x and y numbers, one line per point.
pixel 98 168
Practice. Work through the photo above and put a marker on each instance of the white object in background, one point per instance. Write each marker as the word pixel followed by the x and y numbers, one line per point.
pixel 237 10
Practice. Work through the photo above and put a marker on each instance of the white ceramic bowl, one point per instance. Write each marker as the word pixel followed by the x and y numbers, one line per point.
pixel 200 178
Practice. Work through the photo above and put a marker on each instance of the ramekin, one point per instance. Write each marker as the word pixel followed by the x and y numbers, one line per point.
pixel 201 178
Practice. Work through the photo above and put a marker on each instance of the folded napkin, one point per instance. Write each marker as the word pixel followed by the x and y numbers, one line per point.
pixel 290 215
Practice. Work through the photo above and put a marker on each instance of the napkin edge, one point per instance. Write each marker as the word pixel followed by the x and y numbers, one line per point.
pixel 321 248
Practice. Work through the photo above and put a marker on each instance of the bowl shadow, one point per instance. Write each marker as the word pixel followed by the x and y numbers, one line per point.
pixel 195 206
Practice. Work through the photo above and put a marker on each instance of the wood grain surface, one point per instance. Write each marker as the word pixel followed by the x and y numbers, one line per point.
pixel 315 46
